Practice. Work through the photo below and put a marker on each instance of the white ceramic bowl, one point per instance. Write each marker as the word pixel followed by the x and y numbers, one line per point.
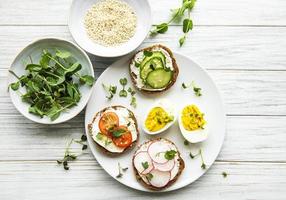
pixel 34 50
pixel 76 25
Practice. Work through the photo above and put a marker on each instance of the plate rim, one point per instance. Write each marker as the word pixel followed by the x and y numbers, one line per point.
pixel 40 121
pixel 209 166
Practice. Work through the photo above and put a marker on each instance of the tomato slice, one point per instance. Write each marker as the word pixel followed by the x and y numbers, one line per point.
pixel 107 122
pixel 125 140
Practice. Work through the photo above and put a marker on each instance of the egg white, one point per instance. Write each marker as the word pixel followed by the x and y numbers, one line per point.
pixel 168 107
pixel 194 136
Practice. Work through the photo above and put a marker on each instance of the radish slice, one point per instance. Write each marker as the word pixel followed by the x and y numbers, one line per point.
pixel 142 157
pixel 159 178
pixel 157 151
pixel 175 170
pixel 168 166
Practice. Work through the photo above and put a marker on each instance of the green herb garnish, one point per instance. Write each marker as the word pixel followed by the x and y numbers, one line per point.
pixel 14 86
pixel 99 136
pixel 185 86
pixel 68 155
pixel 123 92
pixel 111 90
pixel 149 176
pixel 186 142
pixel 117 133
pixel 177 15
pixel 203 165
pixel 121 170
pixel 137 64
pixel 145 165
pixel 50 84
pixel 196 89
pixel 131 91
pixel 169 155
pixel 147 53
pixel 224 174
pixel 107 142
pixel 133 102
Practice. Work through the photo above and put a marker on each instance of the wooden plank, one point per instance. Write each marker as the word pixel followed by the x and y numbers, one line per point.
pixel 250 48
pixel 207 12
pixel 244 92
pixel 86 180
pixel 252 138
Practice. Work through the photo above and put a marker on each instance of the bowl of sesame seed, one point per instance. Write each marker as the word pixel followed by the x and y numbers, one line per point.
pixel 109 28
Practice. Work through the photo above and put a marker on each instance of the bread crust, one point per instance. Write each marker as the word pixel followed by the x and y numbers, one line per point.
pixel 151 187
pixel 101 147
pixel 175 71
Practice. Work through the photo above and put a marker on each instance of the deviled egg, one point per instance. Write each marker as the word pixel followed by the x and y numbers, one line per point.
pixel 159 117
pixel 192 124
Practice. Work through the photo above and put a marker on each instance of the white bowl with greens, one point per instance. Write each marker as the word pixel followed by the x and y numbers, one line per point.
pixel 50 81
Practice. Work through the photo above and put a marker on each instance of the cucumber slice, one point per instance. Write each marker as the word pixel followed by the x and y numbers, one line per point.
pixel 159 78
pixel 152 64
pixel 155 54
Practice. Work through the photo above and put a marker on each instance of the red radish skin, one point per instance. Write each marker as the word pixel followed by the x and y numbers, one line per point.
pixel 168 166
pixel 159 179
pixel 141 157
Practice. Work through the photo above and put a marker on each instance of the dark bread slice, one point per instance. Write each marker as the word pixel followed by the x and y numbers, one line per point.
pixel 151 187
pixel 175 71
pixel 101 147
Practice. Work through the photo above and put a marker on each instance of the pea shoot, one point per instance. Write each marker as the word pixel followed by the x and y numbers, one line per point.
pixel 177 15
pixel 50 84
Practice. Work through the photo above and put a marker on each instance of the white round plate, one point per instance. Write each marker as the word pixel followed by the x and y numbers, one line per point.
pixel 35 50
pixel 210 103
pixel 76 25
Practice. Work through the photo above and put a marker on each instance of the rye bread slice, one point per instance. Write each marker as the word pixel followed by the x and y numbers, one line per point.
pixel 101 147
pixel 175 71
pixel 151 187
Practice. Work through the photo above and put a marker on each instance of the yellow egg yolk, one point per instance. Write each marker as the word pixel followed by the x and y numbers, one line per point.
pixel 192 118
pixel 157 119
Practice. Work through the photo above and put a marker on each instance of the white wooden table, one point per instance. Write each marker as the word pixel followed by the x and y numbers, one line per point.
pixel 241 43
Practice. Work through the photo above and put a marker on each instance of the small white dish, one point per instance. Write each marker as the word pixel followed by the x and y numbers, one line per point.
pixel 169 108
pixel 76 26
pixel 34 50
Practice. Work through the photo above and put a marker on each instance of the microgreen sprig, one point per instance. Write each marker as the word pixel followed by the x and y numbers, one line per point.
pixel 123 92
pixel 110 90
pixel 121 171
pixel 200 153
pixel 70 156
pixel 177 15
pixel 133 101
pixel 197 90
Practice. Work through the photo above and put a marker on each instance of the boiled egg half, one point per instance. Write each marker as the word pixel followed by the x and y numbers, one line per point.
pixel 159 117
pixel 192 124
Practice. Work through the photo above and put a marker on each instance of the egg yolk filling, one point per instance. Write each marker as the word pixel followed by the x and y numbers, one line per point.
pixel 157 119
pixel 192 118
